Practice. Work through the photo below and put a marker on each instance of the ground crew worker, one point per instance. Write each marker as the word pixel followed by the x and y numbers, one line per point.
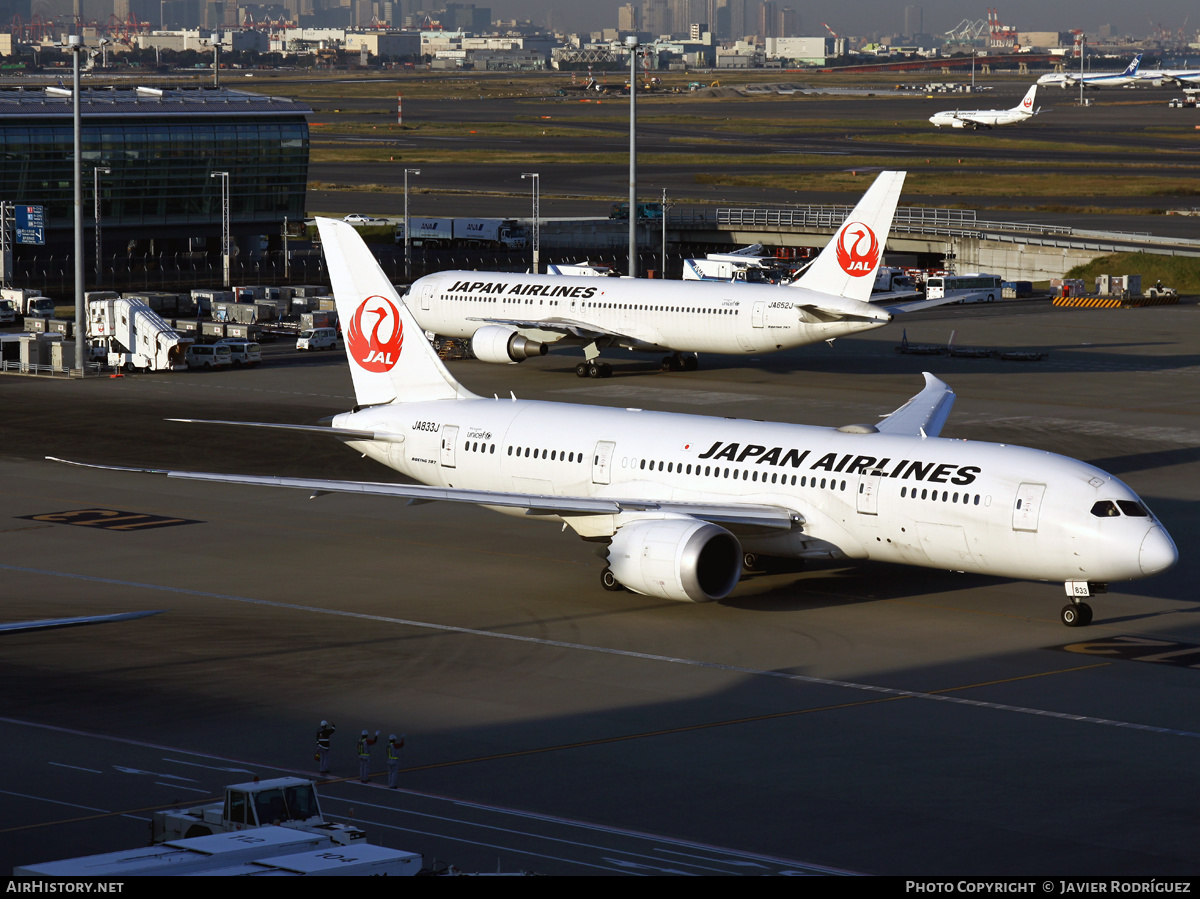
pixel 393 759
pixel 364 756
pixel 324 732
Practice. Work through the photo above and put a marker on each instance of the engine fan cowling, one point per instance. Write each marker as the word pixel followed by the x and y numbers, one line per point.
pixel 498 344
pixel 681 559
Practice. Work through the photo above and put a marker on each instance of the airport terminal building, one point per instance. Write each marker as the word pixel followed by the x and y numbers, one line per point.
pixel 162 147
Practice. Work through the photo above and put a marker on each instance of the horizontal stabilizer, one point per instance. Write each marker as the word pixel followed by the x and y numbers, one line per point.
pixel 339 433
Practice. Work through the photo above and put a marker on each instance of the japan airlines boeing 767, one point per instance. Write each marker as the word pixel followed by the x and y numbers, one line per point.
pixel 676 500
pixel 511 317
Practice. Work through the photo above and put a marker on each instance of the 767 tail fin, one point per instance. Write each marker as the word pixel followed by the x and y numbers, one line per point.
pixel 390 359
pixel 847 265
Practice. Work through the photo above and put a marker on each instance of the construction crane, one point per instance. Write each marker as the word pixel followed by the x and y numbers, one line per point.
pixel 967 30
pixel 1000 35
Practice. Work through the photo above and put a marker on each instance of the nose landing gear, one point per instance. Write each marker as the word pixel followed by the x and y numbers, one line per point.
pixel 1076 614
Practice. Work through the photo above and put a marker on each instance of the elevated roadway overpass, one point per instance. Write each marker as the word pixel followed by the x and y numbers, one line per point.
pixel 1014 250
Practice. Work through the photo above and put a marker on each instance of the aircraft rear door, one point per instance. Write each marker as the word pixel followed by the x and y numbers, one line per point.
pixel 758 313
pixel 1028 507
pixel 602 462
pixel 449 438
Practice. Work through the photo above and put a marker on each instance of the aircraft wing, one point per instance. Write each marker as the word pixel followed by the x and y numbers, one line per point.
pixel 924 414
pixel 744 514
pixel 47 624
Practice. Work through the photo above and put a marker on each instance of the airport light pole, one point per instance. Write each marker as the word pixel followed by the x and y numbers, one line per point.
pixel 663 271
pixel 76 47
pixel 96 173
pixel 632 43
pixel 407 242
pixel 537 216
pixel 224 176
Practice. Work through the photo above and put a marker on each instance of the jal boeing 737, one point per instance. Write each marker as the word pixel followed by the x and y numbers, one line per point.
pixel 676 500
pixel 987 118
pixel 1108 79
pixel 511 317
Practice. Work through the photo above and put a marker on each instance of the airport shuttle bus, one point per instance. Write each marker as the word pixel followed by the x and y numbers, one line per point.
pixel 973 288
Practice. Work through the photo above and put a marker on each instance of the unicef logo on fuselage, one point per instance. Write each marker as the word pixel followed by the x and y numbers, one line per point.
pixel 380 350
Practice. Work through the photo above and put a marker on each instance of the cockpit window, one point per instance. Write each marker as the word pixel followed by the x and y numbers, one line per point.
pixel 1135 510
pixel 1105 509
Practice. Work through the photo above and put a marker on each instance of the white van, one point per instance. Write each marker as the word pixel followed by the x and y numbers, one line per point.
pixel 242 351
pixel 201 355
pixel 317 339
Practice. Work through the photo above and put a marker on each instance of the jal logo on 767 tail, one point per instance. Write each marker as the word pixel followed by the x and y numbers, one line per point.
pixel 380 350
pixel 855 259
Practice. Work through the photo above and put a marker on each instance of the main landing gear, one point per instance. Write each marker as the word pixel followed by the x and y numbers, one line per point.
pixel 593 369
pixel 680 362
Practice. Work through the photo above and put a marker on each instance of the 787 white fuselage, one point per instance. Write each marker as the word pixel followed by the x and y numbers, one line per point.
pixel 987 508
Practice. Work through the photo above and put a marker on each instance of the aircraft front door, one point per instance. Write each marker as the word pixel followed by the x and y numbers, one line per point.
pixel 1028 507
pixel 602 462
pixel 757 314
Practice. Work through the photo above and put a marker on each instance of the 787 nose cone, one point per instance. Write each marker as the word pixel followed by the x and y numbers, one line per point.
pixel 1158 552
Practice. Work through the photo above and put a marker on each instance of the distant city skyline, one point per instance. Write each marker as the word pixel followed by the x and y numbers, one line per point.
pixel 865 16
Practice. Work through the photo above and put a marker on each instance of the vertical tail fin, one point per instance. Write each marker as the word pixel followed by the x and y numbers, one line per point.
pixel 847 265
pixel 390 359
pixel 1132 68
pixel 1026 104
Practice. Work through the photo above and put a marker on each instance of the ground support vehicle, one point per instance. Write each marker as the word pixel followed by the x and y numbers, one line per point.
pixel 283 801
pixel 505 234
pixel 134 336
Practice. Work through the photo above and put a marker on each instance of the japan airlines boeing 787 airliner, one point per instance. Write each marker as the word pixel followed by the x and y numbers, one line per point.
pixel 678 499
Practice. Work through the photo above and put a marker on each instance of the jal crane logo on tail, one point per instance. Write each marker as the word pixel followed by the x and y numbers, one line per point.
pixel 1027 102
pixel 380 350
pixel 856 259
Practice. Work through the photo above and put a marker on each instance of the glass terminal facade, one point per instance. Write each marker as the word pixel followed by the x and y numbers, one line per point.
pixel 162 147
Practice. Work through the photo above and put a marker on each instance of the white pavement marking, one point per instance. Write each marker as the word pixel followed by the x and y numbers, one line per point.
pixel 76 768
pixel 630 654
pixel 86 808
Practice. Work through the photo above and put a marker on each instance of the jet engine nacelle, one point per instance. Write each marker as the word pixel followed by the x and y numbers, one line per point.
pixel 676 558
pixel 495 343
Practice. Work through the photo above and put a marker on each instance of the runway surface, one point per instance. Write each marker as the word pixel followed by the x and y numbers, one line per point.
pixel 861 718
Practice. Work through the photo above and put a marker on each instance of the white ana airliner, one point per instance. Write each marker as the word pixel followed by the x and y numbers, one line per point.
pixel 986 118
pixel 1159 77
pixel 676 501
pixel 511 317
pixel 1109 79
